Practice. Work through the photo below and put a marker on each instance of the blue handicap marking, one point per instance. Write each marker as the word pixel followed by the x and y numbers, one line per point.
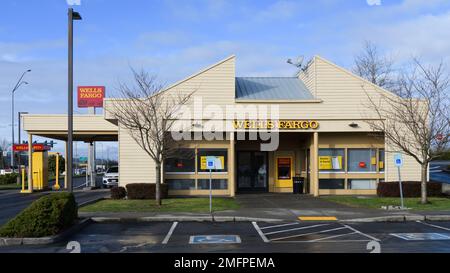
pixel 215 239
pixel 422 236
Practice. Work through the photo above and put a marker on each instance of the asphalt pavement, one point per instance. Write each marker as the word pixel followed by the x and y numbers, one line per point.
pixel 255 237
pixel 13 202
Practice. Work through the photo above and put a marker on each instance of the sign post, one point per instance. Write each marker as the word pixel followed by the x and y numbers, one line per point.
pixel 398 160
pixel 212 163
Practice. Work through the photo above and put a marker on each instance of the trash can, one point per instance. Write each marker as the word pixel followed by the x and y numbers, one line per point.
pixel 298 184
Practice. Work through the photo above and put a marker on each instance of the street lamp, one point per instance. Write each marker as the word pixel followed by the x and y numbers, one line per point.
pixel 17 86
pixel 72 16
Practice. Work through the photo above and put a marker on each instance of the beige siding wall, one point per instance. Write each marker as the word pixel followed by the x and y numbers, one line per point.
pixel 410 170
pixel 135 165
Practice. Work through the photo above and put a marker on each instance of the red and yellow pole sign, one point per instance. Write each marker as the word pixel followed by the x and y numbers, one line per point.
pixel 90 96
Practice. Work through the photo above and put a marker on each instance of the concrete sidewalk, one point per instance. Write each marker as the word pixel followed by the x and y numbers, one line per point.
pixel 278 207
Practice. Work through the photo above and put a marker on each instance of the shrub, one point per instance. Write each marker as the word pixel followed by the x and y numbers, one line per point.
pixel 410 189
pixel 46 216
pixel 118 193
pixel 145 191
pixel 10 178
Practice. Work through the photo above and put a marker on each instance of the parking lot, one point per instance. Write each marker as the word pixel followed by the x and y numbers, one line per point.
pixel 253 237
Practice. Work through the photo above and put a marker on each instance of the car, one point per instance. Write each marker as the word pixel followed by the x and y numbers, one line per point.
pixel 111 177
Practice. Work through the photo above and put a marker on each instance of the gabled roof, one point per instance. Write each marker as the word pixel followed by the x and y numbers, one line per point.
pixel 271 88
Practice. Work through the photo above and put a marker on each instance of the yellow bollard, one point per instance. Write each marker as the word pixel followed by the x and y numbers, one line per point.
pixel 23 182
pixel 57 187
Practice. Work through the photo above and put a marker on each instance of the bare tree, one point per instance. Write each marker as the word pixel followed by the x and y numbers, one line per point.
pixel 371 65
pixel 417 119
pixel 148 113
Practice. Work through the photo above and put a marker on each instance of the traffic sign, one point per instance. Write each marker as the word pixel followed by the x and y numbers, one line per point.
pixel 215 239
pixel 398 160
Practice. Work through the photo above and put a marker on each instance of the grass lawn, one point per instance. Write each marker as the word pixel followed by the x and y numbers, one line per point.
pixel 437 203
pixel 168 205
pixel 10 187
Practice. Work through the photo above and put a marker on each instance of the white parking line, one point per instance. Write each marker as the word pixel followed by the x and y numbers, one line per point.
pixel 331 237
pixel 362 233
pixel 311 233
pixel 263 237
pixel 169 234
pixel 293 229
pixel 291 224
pixel 436 226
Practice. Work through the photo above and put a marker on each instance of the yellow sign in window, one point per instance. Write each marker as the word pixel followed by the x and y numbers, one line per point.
pixel 330 162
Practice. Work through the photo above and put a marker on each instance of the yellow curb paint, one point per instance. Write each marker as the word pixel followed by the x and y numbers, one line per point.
pixel 317 218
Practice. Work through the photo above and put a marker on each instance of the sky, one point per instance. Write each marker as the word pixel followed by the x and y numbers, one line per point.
pixel 175 38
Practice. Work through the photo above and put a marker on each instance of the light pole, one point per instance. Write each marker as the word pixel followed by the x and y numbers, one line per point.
pixel 19 140
pixel 72 16
pixel 17 86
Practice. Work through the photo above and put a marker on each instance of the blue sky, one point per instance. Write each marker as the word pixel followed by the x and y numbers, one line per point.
pixel 174 38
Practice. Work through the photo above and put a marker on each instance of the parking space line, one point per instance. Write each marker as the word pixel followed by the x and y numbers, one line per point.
pixel 291 224
pixel 311 233
pixel 293 229
pixel 263 237
pixel 436 226
pixel 169 234
pixel 331 237
pixel 362 233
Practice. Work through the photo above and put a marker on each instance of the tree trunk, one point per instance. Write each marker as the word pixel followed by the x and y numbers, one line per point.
pixel 158 184
pixel 424 176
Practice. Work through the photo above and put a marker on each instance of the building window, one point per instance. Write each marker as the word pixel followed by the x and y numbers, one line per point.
pixel 181 184
pixel 222 154
pixel 331 160
pixel 331 184
pixel 182 162
pixel 217 184
pixel 381 160
pixel 362 160
pixel 362 184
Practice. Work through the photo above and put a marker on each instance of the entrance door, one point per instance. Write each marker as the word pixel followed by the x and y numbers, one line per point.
pixel 252 171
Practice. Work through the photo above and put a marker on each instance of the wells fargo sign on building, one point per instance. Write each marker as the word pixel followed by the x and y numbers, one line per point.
pixel 276 124
pixel 90 96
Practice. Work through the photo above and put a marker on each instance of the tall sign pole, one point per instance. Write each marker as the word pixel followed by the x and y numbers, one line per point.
pixel 398 159
pixel 69 155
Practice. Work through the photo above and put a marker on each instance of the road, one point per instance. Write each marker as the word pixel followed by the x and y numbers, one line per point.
pixel 12 201
pixel 289 237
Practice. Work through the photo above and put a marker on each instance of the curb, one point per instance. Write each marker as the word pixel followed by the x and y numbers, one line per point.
pixel 45 240
pixel 399 218
pixel 95 200
pixel 184 219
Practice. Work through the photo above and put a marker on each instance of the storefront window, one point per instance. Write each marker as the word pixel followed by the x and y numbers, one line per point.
pixel 182 162
pixel 362 184
pixel 331 160
pixel 331 184
pixel 381 160
pixel 222 154
pixel 217 184
pixel 181 184
pixel 362 160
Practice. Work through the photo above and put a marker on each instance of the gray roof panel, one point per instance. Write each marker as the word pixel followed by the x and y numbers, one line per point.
pixel 271 88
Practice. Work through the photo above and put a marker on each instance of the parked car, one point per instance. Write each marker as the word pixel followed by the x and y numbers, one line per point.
pixel 111 177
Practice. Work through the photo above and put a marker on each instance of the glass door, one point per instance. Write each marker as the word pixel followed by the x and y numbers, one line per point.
pixel 252 171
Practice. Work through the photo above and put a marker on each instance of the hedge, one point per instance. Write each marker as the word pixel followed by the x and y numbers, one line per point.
pixel 410 189
pixel 49 215
pixel 10 178
pixel 118 193
pixel 145 191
